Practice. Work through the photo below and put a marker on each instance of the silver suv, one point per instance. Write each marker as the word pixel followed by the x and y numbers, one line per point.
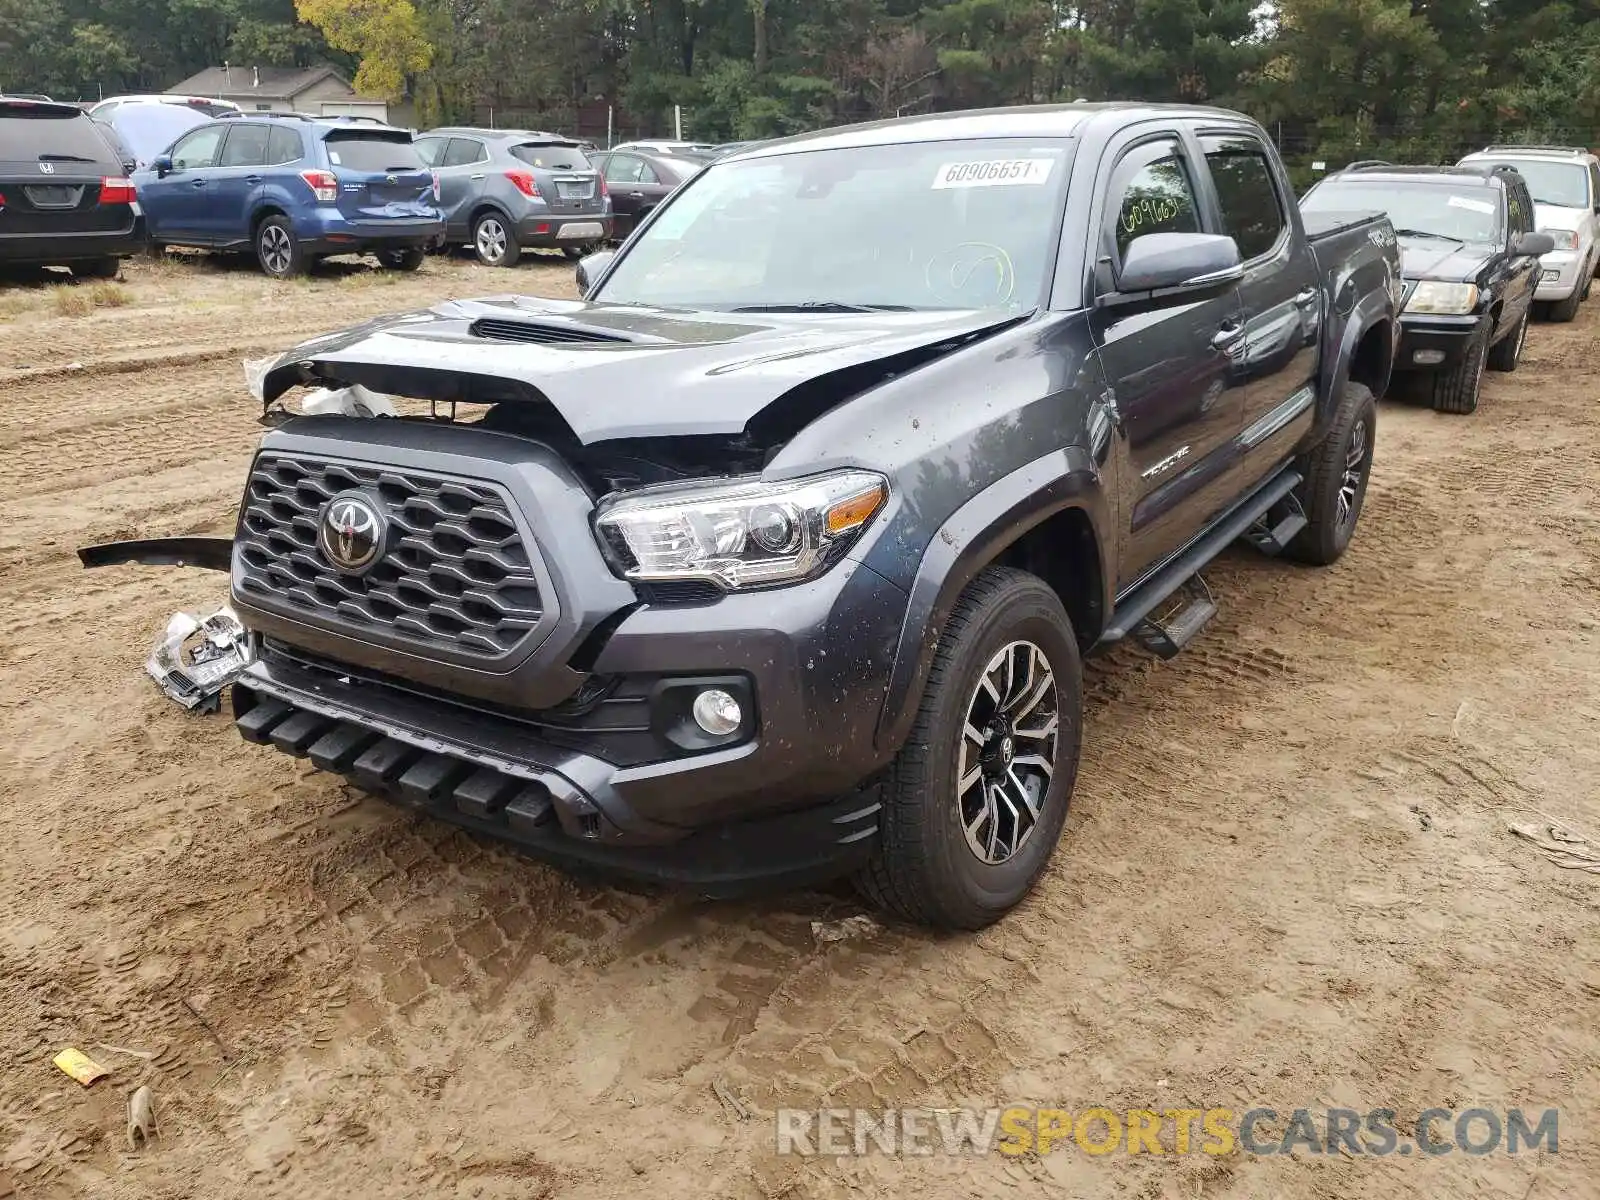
pixel 1565 182
pixel 507 190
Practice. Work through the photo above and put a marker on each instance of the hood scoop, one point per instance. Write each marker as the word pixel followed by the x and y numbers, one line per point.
pixel 498 329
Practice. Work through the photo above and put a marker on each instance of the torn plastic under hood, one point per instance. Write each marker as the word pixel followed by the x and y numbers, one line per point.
pixel 622 372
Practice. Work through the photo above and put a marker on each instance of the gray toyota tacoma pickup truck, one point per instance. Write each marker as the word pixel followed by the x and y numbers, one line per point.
pixel 775 557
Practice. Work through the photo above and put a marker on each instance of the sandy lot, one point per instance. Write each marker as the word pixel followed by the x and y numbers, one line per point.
pixel 1287 879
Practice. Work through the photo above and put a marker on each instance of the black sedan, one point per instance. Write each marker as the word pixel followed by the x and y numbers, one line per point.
pixel 638 182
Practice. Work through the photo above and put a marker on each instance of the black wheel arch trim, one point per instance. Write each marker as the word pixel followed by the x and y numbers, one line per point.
pixel 969 540
pixel 1371 312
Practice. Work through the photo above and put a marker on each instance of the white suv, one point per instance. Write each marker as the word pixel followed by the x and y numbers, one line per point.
pixel 1565 182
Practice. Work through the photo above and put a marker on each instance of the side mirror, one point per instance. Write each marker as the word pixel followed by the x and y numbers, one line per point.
pixel 1533 243
pixel 590 268
pixel 161 164
pixel 1192 261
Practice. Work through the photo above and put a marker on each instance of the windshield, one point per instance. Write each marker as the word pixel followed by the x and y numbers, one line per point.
pixel 959 224
pixel 1460 213
pixel 1563 184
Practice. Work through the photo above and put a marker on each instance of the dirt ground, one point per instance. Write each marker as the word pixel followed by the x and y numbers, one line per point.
pixel 1287 879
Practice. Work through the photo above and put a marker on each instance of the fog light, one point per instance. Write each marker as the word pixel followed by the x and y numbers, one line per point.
pixel 1428 358
pixel 717 712
pixel 1549 276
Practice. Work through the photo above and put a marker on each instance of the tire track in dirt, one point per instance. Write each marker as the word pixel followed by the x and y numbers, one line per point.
pixel 1246 906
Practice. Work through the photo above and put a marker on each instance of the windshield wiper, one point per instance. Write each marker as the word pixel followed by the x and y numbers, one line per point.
pixel 1424 233
pixel 837 306
pixel 64 158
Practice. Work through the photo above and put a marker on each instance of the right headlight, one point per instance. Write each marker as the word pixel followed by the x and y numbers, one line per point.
pixel 739 534
pixel 1445 299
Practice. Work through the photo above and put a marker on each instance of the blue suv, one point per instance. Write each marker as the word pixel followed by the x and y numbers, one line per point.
pixel 294 189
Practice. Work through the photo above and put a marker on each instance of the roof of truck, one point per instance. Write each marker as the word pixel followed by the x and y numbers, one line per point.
pixel 1019 121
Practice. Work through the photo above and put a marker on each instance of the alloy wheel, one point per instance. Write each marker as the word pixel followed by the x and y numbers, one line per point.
pixel 1355 469
pixel 491 240
pixel 1008 751
pixel 277 251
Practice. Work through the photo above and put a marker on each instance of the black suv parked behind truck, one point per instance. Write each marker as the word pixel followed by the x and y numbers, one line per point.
pixel 1470 258
pixel 777 554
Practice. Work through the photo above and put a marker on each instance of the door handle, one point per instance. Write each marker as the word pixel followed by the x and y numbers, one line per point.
pixel 635 195
pixel 479 175
pixel 199 183
pixel 252 179
pixel 1227 334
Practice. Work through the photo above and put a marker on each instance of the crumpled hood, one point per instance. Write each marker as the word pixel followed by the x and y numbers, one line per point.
pixel 1424 258
pixel 615 371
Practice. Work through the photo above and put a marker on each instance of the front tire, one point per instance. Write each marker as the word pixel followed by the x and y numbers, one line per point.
pixel 1456 390
pixel 1001 715
pixel 1562 311
pixel 1336 474
pixel 493 241
pixel 1507 352
pixel 278 250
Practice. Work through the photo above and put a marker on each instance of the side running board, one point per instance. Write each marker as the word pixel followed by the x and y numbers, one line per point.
pixel 1169 635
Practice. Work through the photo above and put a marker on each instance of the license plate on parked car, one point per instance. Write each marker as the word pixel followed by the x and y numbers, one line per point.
pixel 584 230
pixel 574 189
pixel 58 195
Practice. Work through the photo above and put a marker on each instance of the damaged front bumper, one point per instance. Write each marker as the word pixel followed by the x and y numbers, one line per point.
pixel 198 656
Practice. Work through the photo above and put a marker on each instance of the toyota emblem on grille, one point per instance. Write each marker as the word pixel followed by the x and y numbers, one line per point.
pixel 47 168
pixel 352 532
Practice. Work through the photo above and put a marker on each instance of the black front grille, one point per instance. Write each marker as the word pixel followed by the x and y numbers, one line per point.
pixel 456 576
pixel 499 330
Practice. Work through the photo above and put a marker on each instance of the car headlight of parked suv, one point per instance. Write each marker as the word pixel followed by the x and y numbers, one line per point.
pixel 1565 239
pixel 741 534
pixel 1445 299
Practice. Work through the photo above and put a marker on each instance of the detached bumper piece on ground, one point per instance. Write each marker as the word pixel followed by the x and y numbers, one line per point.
pixel 198 656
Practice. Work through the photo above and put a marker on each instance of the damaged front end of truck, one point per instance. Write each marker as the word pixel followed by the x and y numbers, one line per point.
pixel 440 573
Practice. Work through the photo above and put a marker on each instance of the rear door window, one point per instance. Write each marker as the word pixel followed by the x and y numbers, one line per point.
pixel 463 152
pixel 246 146
pixel 283 145
pixel 374 151
pixel 430 150
pixel 35 133
pixel 198 149
pixel 1252 211
pixel 551 156
pixel 624 168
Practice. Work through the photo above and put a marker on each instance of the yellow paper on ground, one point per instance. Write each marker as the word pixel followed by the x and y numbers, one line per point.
pixel 79 1065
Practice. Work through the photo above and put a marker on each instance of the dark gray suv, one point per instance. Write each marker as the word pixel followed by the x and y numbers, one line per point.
pixel 506 190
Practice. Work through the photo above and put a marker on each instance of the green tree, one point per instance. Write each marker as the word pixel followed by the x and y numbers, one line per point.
pixel 386 34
